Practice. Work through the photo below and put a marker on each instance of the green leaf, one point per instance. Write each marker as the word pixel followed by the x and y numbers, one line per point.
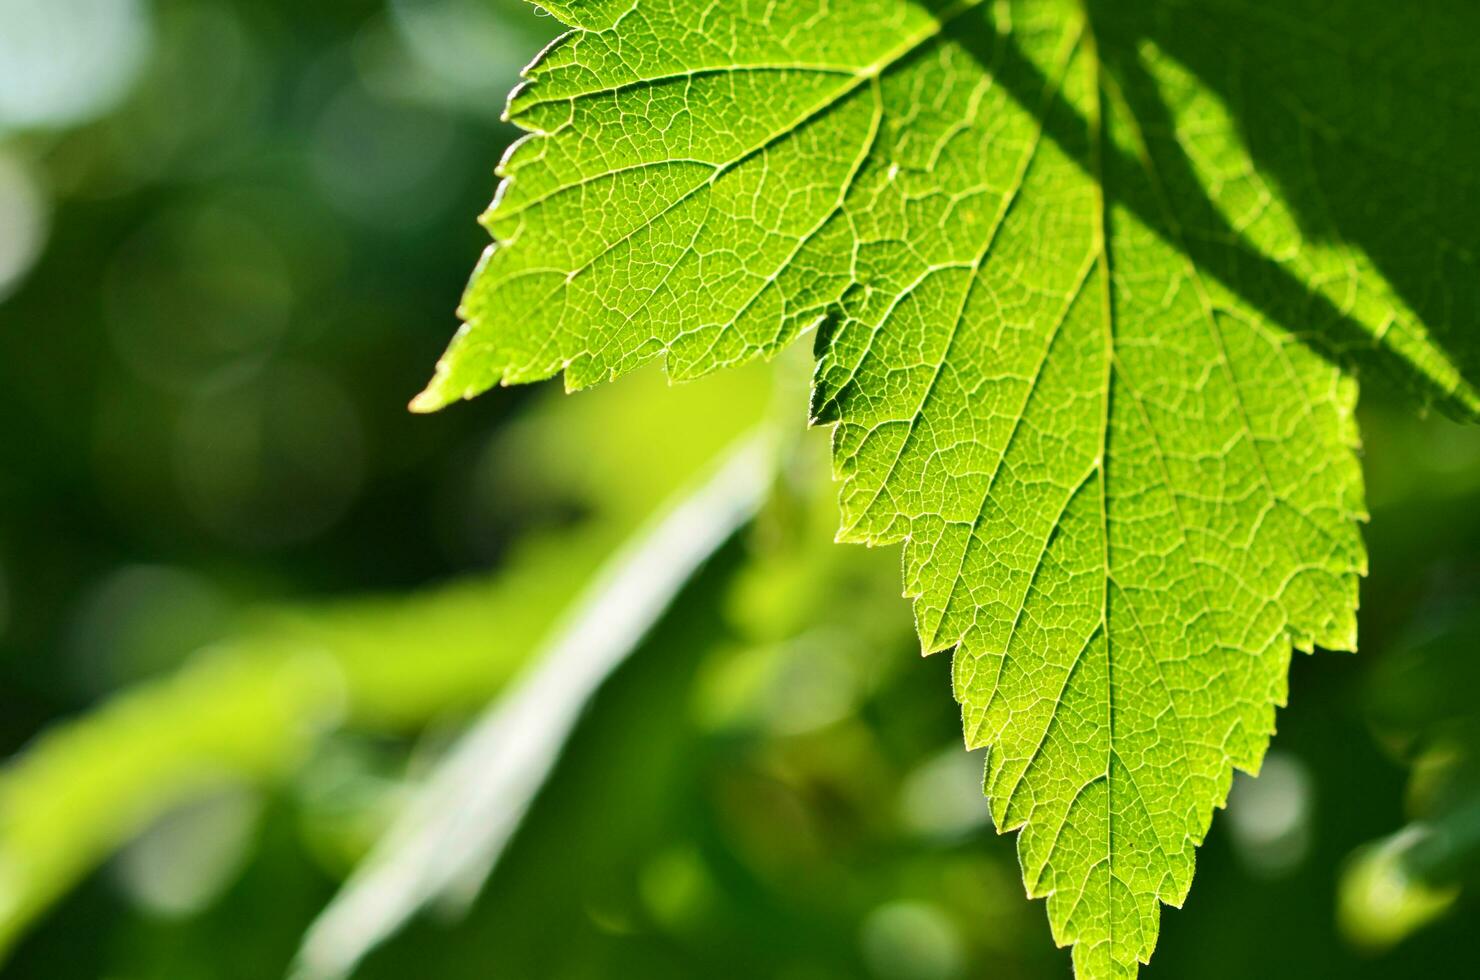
pixel 1089 284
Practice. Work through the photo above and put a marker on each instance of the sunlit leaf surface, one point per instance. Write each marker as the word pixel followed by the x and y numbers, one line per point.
pixel 1089 283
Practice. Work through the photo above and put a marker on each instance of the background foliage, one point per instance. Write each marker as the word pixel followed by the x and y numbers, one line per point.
pixel 246 600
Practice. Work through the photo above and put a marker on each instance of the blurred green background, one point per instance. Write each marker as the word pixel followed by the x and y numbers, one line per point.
pixel 249 604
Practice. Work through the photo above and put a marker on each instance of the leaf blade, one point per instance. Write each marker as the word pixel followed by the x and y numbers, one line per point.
pixel 1089 366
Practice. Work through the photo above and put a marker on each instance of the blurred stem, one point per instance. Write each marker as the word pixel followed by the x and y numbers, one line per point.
pixel 453 831
pixel 1449 844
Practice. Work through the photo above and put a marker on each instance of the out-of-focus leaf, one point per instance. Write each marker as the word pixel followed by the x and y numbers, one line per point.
pixel 1390 889
pixel 252 707
pixel 1421 701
